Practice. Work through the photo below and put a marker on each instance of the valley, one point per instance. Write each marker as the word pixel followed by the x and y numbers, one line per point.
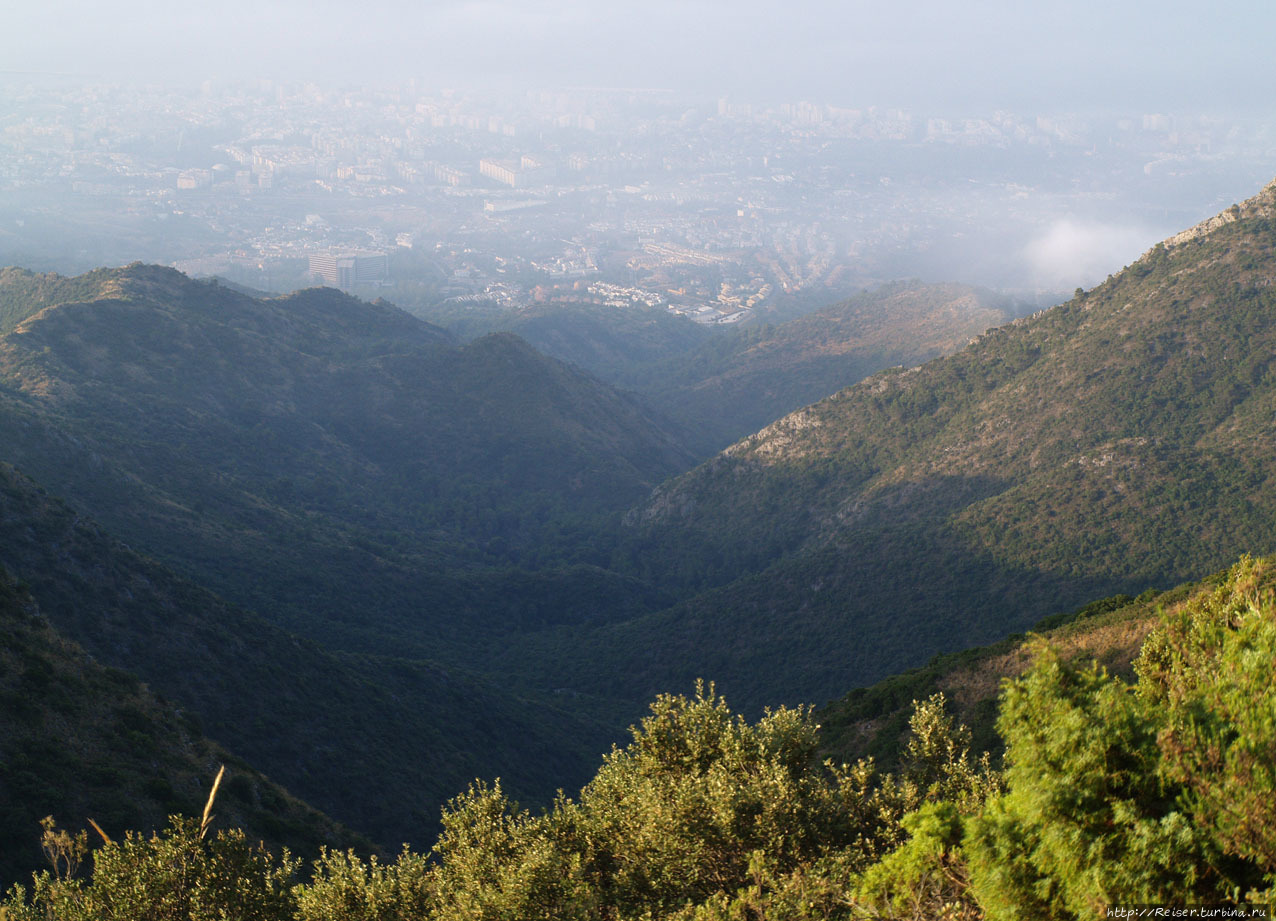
pixel 376 561
pixel 551 461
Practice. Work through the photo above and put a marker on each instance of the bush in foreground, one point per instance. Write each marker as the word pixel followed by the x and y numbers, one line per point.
pixel 1160 790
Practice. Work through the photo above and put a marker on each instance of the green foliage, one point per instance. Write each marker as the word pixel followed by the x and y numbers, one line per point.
pixel 686 806
pixel 499 862
pixel 1112 442
pixel 352 473
pixel 700 804
pixel 411 733
pixel 388 492
pixel 361 477
pixel 348 888
pixel 80 740
pixel 944 503
pixel 1113 793
pixel 925 878
pixel 64 851
pixel 1153 792
pixel 874 721
pixel 937 759
pixel 24 294
pixel 703 815
pixel 178 875
pixel 1209 669
pixel 1089 820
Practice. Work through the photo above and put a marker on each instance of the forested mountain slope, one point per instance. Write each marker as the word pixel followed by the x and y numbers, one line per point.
pixel 1120 440
pixel 1150 785
pixel 616 344
pixel 873 721
pixel 377 742
pixel 720 384
pixel 320 458
pixel 440 514
pixel 82 740
pixel 745 379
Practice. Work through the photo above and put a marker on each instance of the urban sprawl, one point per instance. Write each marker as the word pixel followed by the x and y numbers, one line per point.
pixel 714 209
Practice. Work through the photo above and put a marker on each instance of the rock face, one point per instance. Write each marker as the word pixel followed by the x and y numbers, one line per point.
pixel 1261 206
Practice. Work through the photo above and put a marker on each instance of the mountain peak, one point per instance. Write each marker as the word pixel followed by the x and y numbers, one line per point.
pixel 1262 205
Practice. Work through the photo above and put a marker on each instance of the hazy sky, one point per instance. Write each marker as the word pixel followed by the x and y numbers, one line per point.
pixel 1164 55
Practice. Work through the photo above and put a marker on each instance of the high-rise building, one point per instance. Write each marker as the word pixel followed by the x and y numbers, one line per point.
pixel 349 270
pixel 503 171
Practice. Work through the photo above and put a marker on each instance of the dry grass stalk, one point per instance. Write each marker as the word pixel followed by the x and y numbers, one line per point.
pixel 98 828
pixel 208 808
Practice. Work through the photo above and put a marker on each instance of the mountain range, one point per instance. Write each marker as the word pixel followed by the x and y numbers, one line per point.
pixel 375 562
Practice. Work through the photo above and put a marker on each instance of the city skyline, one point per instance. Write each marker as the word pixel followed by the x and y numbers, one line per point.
pixel 711 207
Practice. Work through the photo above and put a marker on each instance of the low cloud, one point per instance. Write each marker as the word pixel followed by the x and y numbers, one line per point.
pixel 1073 253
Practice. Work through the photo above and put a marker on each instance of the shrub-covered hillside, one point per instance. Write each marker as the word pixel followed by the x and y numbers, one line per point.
pixel 1120 440
pixel 1156 789
pixel 82 740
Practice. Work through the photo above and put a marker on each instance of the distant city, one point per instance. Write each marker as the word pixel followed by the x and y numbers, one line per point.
pixel 717 209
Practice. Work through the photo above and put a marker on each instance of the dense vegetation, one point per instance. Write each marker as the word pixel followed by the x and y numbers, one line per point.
pixel 376 741
pixel 1114 442
pixel 80 739
pixel 730 387
pixel 24 294
pixel 873 721
pixel 183 411
pixel 353 475
pixel 349 473
pixel 1113 793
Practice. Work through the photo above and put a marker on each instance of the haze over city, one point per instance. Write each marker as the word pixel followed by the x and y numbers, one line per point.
pixel 705 156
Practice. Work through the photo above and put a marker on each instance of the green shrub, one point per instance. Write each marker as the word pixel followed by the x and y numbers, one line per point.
pixel 178 875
